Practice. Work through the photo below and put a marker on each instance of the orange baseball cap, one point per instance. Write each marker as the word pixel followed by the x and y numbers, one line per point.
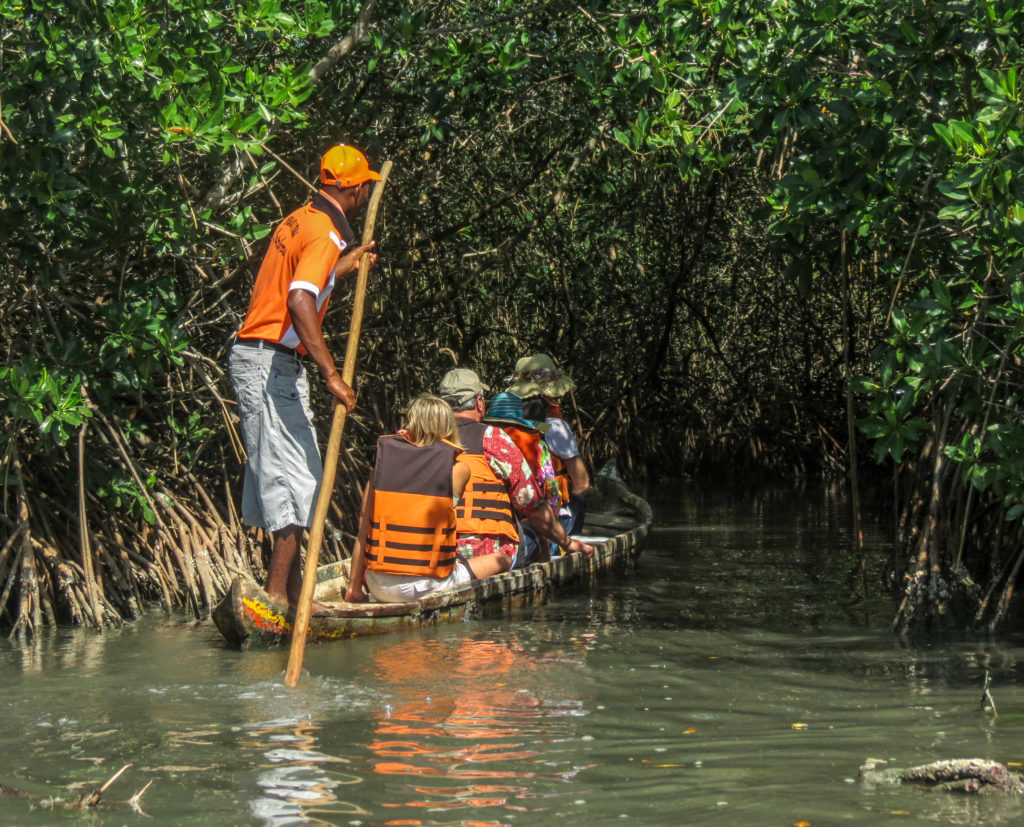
pixel 345 166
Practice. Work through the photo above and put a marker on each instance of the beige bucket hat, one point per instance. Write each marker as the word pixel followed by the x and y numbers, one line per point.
pixel 538 375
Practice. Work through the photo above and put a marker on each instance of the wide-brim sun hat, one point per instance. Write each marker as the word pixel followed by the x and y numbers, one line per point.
pixel 507 409
pixel 538 375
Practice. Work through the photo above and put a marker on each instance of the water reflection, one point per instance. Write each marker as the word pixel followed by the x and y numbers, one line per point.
pixel 760 557
pixel 470 712
pixel 298 780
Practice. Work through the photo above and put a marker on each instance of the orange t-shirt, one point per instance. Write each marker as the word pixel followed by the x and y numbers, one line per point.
pixel 302 254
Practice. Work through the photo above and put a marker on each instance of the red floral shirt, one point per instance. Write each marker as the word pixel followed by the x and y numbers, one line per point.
pixel 509 465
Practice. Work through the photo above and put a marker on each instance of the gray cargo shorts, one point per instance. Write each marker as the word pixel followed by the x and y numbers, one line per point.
pixel 283 472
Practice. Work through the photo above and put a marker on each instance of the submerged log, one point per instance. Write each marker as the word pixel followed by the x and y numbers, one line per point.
pixel 967 775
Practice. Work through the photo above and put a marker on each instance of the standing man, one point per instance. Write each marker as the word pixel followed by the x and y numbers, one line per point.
pixel 501 484
pixel 309 249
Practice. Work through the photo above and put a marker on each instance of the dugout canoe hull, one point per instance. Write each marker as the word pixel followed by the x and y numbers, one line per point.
pixel 249 617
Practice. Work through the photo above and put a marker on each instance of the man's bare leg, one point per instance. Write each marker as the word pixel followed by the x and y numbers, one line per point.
pixel 284 574
pixel 284 577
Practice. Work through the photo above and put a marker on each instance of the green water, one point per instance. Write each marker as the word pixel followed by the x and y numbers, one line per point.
pixel 729 680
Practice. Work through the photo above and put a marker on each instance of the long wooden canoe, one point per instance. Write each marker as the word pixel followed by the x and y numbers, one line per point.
pixel 617 524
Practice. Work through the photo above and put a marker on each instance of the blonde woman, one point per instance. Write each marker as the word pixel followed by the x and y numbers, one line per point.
pixel 406 544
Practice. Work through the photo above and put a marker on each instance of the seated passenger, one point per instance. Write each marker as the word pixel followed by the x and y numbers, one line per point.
pixel 542 385
pixel 506 411
pixel 502 496
pixel 406 543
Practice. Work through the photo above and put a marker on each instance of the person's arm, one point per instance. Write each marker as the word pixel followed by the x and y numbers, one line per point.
pixel 579 479
pixel 349 262
pixel 460 478
pixel 302 308
pixel 354 593
pixel 543 520
pixel 306 320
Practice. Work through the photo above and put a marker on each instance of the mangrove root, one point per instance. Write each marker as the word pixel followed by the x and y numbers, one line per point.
pixel 87 801
pixel 968 775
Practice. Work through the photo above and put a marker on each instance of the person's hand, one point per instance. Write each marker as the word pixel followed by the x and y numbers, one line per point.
pixel 355 595
pixel 579 545
pixel 349 262
pixel 342 391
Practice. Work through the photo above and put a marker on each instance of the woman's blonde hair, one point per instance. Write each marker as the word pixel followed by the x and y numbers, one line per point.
pixel 429 419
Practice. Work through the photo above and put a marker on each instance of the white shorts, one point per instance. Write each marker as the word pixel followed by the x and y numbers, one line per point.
pixel 408 588
pixel 283 472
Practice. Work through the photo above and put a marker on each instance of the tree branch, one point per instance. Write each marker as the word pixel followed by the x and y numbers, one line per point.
pixel 355 36
pixel 218 195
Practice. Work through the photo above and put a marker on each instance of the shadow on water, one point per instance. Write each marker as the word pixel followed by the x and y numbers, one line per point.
pixel 738 677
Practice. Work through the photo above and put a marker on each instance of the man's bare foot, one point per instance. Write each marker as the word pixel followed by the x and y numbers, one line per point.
pixel 355 596
pixel 316 608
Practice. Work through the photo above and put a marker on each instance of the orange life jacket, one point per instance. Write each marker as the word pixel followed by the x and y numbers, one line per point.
pixel 486 508
pixel 528 440
pixel 561 477
pixel 413 527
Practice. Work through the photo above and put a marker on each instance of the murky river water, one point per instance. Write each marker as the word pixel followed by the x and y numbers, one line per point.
pixel 729 680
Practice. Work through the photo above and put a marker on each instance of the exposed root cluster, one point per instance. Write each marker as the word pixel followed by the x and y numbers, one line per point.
pixel 968 775
pixel 65 565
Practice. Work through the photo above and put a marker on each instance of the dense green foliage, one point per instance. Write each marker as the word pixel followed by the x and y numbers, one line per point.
pixel 720 217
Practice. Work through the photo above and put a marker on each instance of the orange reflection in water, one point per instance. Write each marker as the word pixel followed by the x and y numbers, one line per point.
pixel 464 823
pixel 461 705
